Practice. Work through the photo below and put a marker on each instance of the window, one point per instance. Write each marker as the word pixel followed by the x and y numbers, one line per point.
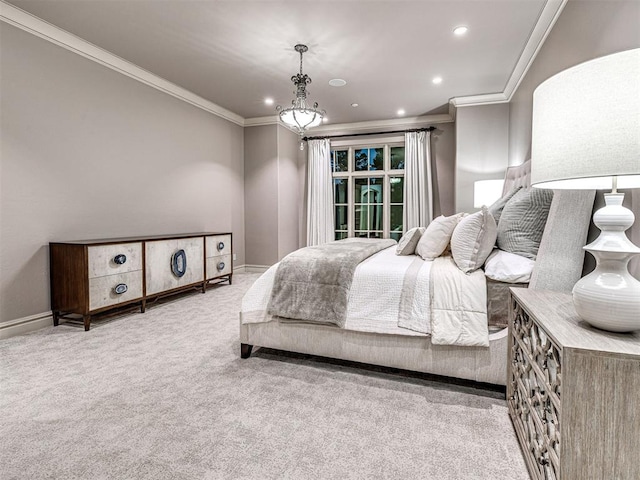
pixel 368 186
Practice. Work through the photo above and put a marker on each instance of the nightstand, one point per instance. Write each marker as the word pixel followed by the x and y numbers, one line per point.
pixel 573 391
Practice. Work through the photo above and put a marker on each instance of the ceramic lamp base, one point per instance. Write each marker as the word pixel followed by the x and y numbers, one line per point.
pixel 609 297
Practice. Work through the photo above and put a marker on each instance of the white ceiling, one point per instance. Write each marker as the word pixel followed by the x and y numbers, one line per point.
pixel 236 53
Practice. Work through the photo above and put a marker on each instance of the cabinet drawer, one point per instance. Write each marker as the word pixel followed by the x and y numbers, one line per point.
pixel 216 241
pixel 103 259
pixel 159 274
pixel 102 290
pixel 218 266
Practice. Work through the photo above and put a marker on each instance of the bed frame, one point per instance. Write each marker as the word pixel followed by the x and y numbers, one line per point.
pixel 558 267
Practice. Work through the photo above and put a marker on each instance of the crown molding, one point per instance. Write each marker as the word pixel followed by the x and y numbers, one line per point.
pixel 257 121
pixel 485 99
pixel 36 26
pixel 546 20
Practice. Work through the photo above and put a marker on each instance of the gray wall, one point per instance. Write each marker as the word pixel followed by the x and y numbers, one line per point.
pixel 443 151
pixel 89 153
pixel 482 149
pixel 289 191
pixel 584 30
pixel 272 193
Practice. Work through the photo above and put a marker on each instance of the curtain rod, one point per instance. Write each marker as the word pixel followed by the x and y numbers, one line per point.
pixel 426 129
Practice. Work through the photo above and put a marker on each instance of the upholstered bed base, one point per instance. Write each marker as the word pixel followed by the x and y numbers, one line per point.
pixel 480 364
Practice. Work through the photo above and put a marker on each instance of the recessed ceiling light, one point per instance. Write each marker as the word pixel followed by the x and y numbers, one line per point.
pixel 337 82
pixel 354 105
pixel 268 101
pixel 401 112
pixel 437 80
pixel 461 30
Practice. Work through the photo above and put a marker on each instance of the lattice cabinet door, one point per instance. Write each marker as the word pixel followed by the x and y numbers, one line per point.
pixel 534 390
pixel 572 391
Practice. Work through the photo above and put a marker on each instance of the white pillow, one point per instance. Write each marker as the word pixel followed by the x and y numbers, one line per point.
pixel 473 239
pixel 408 242
pixel 436 237
pixel 508 267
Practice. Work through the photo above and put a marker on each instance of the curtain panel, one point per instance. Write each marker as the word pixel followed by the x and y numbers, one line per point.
pixel 418 181
pixel 319 193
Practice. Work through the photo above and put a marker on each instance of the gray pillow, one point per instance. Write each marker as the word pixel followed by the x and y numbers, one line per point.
pixel 473 239
pixel 408 242
pixel 496 208
pixel 522 222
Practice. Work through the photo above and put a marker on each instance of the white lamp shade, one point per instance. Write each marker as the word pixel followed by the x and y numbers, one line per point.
pixel 485 192
pixel 586 125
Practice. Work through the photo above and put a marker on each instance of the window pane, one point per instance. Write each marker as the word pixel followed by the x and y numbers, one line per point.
pixel 361 234
pixel 340 189
pixel 376 159
pixel 341 161
pixel 361 159
pixel 369 217
pixel 341 218
pixel 341 235
pixel 396 236
pixel 396 218
pixel 361 216
pixel 360 189
pixel 397 189
pixel 375 234
pixel 397 158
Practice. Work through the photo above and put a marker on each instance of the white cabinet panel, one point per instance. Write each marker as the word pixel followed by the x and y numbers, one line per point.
pixel 160 277
pixel 214 243
pixel 219 266
pixel 102 259
pixel 102 290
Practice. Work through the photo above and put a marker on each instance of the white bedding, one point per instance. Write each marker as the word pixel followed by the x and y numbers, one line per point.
pixel 377 303
pixel 374 298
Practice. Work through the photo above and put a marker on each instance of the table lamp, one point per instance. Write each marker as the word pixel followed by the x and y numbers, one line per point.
pixel 586 135
pixel 485 192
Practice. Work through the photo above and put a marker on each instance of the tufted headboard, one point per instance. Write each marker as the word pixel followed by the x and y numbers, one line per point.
pixel 519 176
pixel 560 256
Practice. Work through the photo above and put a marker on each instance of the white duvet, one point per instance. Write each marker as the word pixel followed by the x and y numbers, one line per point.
pixel 378 303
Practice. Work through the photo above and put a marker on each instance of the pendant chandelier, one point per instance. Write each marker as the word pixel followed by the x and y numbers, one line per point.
pixel 301 116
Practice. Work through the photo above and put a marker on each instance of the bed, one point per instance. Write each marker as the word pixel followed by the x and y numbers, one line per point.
pixel 558 266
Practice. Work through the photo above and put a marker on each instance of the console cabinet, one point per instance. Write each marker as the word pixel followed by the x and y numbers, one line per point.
pixel 572 391
pixel 89 277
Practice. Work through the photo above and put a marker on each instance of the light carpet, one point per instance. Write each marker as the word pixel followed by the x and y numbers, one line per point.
pixel 165 395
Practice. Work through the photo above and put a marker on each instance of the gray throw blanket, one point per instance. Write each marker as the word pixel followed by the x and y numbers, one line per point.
pixel 312 284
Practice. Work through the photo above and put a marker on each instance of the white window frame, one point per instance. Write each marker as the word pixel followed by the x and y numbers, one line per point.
pixel 386 173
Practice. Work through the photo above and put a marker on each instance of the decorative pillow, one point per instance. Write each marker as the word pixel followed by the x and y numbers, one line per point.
pixel 508 267
pixel 436 237
pixel 522 222
pixel 408 242
pixel 473 239
pixel 496 208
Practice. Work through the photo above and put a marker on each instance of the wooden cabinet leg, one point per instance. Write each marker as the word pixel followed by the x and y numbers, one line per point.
pixel 230 275
pixel 56 318
pixel 143 306
pixel 204 287
pixel 87 322
pixel 245 350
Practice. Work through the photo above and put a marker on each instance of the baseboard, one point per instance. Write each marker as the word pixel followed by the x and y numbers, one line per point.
pixel 256 268
pixel 25 325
